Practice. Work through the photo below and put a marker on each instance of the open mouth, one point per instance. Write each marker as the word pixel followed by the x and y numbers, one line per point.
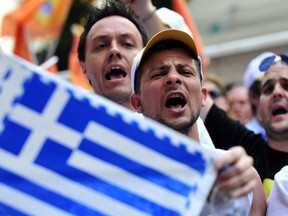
pixel 175 101
pixel 115 73
pixel 279 111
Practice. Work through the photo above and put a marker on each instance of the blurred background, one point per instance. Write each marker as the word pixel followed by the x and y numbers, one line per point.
pixel 232 31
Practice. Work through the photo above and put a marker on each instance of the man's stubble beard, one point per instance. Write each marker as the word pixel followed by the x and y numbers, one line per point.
pixel 119 99
pixel 183 128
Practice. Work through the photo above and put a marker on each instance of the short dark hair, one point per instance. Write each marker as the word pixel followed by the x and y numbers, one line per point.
pixel 163 45
pixel 255 92
pixel 108 8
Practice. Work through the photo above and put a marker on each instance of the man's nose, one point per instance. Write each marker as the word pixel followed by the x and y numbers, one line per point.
pixel 114 51
pixel 278 90
pixel 173 77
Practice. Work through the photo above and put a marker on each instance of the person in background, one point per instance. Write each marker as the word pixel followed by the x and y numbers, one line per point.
pixel 216 90
pixel 273 109
pixel 252 81
pixel 271 155
pixel 240 107
pixel 167 82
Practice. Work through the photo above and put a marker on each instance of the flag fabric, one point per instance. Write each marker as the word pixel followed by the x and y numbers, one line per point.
pixel 13 24
pixel 19 16
pixel 48 21
pixel 66 151
pixel 36 21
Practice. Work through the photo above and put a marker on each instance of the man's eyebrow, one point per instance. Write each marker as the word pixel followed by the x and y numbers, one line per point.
pixel 273 80
pixel 99 37
pixel 128 35
pixel 284 78
pixel 103 37
pixel 180 65
pixel 267 82
pixel 163 66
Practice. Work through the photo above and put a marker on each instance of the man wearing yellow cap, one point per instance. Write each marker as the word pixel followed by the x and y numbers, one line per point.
pixel 166 79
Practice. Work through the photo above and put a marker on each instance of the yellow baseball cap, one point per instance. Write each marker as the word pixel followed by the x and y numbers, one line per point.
pixel 167 34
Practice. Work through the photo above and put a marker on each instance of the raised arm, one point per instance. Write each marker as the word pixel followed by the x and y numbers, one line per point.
pixel 157 20
pixel 146 11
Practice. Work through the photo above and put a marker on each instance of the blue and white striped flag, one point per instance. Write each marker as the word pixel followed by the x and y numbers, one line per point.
pixel 65 151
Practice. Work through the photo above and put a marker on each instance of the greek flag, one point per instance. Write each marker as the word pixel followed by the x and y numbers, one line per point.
pixel 65 151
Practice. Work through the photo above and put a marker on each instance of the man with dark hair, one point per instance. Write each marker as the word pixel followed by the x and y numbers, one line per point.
pixel 111 38
pixel 271 155
pixel 252 81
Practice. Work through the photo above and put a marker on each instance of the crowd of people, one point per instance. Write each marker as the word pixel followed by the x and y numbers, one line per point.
pixel 146 60
pixel 132 54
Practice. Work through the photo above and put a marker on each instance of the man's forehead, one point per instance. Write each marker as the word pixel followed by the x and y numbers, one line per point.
pixel 168 57
pixel 276 71
pixel 173 53
pixel 116 23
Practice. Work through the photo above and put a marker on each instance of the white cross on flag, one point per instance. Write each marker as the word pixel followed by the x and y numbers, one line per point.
pixel 65 151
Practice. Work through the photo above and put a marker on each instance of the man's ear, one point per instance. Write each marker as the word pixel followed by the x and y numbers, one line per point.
pixel 136 102
pixel 82 64
pixel 204 96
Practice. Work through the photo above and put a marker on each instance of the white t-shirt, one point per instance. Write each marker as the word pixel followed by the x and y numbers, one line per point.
pixel 278 200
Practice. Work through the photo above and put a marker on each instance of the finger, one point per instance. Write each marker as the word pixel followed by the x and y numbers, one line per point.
pixel 237 181
pixel 245 189
pixel 243 164
pixel 230 157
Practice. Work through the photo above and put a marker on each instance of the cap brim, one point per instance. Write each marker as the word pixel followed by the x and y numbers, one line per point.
pixel 170 34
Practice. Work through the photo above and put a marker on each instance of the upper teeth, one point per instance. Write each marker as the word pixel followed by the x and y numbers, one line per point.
pixel 114 68
pixel 174 96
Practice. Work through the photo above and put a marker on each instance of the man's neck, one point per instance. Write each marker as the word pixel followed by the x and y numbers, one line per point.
pixel 128 105
pixel 278 145
pixel 193 133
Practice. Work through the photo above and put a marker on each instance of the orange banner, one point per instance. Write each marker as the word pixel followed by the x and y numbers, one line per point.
pixel 35 19
pixel 76 73
pixel 180 6
pixel 48 21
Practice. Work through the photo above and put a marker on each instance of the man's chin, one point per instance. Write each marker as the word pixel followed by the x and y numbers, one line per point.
pixel 119 97
pixel 182 127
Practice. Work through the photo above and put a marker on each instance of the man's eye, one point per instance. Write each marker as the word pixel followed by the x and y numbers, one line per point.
pixel 284 84
pixel 128 44
pixel 186 73
pixel 101 46
pixel 268 89
pixel 157 75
